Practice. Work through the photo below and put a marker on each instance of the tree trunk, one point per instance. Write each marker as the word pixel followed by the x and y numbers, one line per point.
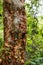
pixel 14 32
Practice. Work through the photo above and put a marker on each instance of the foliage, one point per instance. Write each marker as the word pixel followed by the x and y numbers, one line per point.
pixel 34 48
pixel 1 25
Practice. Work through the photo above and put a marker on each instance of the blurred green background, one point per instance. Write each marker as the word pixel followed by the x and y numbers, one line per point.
pixel 1 23
pixel 34 48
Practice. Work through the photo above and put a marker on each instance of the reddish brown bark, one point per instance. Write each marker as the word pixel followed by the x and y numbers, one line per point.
pixel 14 32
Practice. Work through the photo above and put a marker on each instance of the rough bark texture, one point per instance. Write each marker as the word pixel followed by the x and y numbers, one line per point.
pixel 14 32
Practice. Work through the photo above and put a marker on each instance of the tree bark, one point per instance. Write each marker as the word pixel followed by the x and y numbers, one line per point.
pixel 14 32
